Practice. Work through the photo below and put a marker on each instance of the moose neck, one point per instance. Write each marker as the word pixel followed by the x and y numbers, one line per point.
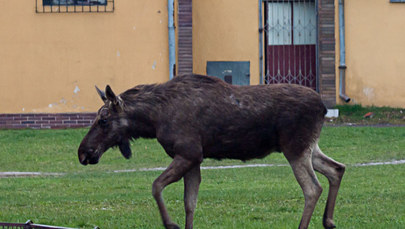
pixel 142 124
pixel 142 107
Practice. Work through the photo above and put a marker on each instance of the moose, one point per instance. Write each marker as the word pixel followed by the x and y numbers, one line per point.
pixel 195 117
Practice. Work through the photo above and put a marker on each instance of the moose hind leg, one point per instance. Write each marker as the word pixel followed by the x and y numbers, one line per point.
pixel 192 180
pixel 334 171
pixel 306 177
pixel 173 173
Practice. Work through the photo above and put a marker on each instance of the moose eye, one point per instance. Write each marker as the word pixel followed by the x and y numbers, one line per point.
pixel 102 122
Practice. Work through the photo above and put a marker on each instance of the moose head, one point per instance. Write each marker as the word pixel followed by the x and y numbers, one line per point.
pixel 108 130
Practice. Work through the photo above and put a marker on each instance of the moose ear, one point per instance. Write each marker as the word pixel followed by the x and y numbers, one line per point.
pixel 110 94
pixel 125 149
pixel 101 94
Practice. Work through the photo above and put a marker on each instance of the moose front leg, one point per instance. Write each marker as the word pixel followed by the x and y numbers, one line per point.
pixel 173 173
pixel 192 180
pixel 188 166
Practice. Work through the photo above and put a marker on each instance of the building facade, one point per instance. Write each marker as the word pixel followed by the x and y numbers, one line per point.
pixel 375 52
pixel 55 51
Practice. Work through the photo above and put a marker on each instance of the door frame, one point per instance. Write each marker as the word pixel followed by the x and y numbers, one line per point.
pixel 317 81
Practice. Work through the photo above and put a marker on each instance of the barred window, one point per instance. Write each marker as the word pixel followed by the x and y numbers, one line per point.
pixel 74 6
pixel 74 2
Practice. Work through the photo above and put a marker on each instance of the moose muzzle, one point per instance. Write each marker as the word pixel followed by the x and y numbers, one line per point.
pixel 88 156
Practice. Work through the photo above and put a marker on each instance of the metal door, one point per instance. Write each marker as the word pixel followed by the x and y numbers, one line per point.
pixel 291 42
pixel 233 72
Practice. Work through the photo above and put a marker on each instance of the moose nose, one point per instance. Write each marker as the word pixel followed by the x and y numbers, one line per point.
pixel 83 159
pixel 84 155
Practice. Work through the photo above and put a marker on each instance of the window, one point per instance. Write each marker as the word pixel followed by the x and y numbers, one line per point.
pixel 303 18
pixel 74 6
pixel 74 2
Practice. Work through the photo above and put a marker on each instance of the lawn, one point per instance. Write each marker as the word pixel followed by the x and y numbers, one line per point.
pixel 88 196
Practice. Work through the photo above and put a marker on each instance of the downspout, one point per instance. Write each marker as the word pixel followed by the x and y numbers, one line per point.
pixel 342 62
pixel 260 42
pixel 172 39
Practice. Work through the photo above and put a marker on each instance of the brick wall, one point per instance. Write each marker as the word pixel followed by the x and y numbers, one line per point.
pixel 185 37
pixel 326 51
pixel 46 121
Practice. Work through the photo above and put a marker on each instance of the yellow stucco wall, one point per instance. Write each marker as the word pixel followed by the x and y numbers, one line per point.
pixel 226 30
pixel 51 62
pixel 375 52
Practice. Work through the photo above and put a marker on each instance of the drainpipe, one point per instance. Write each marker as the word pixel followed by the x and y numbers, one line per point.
pixel 342 63
pixel 261 41
pixel 172 41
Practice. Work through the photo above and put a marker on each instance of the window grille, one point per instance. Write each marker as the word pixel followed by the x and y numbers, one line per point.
pixel 74 6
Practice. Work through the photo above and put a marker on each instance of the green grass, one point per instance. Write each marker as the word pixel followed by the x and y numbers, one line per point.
pixel 88 196
pixel 56 150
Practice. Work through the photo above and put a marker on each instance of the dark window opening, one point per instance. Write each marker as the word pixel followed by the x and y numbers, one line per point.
pixel 74 6
pixel 74 2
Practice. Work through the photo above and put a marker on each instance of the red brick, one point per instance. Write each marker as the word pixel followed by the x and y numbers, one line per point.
pixel 20 119
pixel 41 122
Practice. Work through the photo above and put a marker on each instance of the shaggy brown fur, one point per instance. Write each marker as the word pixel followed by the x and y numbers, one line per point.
pixel 196 117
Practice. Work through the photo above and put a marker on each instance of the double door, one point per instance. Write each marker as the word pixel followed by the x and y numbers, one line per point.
pixel 291 42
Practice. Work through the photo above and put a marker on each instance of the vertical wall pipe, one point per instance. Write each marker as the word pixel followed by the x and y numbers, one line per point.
pixel 317 46
pixel 172 41
pixel 260 42
pixel 342 51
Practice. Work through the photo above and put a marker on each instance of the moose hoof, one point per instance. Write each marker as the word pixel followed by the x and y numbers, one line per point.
pixel 172 226
pixel 328 224
pixel 331 227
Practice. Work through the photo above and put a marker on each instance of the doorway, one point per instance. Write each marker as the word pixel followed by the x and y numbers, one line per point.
pixel 291 38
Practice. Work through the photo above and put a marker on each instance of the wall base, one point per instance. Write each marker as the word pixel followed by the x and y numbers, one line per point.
pixel 46 120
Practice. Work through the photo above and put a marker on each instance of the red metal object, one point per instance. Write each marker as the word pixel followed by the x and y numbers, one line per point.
pixel 294 64
pixel 368 115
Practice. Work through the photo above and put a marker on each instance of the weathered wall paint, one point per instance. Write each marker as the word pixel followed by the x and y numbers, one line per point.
pixel 226 30
pixel 51 62
pixel 375 52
